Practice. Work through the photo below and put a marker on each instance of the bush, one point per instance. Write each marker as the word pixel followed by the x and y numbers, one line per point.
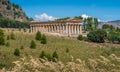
pixel 7 44
pixel 32 45
pixel 12 36
pixel 55 55
pixel 113 37
pixel 22 47
pixel 67 50
pixel 17 52
pixel 42 55
pixel 2 40
pixel 8 37
pixel 80 37
pixel 97 36
pixel 43 40
pixel 38 36
pixel 8 7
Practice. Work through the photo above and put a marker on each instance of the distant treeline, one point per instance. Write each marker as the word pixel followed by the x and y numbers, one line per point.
pixel 7 23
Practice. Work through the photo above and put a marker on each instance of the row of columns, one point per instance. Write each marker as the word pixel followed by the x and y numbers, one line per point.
pixel 66 29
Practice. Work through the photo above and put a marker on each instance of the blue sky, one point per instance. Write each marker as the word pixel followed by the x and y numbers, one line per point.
pixel 105 10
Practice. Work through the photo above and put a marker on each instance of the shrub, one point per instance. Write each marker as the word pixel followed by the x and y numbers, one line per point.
pixel 49 57
pixel 97 36
pixel 24 29
pixel 32 45
pixel 22 47
pixel 42 55
pixel 80 37
pixel 67 50
pixel 55 55
pixel 12 36
pixel 2 40
pixel 17 52
pixel 8 37
pixel 38 36
pixel 113 37
pixel 8 7
pixel 43 40
pixel 7 44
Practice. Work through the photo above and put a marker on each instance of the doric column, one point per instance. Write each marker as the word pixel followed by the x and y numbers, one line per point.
pixel 69 30
pixel 66 29
pixel 78 29
pixel 75 28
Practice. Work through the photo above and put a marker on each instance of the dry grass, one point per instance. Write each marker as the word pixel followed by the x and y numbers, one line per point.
pixel 100 64
pixel 77 49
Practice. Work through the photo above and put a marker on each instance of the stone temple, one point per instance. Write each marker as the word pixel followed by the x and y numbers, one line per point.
pixel 71 27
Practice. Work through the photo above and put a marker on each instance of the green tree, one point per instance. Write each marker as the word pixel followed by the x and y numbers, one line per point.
pixel 2 40
pixel 17 52
pixel 43 39
pixel 7 44
pixel 22 47
pixel 38 36
pixel 97 36
pixel 80 37
pixel 55 55
pixel 67 50
pixel 8 37
pixel 12 36
pixel 32 45
pixel 113 37
pixel 42 55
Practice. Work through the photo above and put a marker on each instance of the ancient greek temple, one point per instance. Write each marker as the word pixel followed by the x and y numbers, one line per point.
pixel 71 27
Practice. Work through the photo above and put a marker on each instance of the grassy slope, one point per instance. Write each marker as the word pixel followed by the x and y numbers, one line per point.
pixel 78 49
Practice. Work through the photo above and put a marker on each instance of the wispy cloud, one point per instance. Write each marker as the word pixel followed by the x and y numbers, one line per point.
pixel 44 17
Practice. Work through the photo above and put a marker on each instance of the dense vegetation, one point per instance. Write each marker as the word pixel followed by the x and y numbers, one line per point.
pixel 7 23
pixel 97 36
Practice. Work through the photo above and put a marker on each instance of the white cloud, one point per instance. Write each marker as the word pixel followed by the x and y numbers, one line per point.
pixel 99 20
pixel 85 16
pixel 44 17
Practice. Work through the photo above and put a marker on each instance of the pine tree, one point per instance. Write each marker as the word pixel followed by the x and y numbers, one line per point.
pixel 12 36
pixel 43 39
pixel 55 55
pixel 38 36
pixel 32 45
pixel 17 52
pixel 42 55
pixel 2 40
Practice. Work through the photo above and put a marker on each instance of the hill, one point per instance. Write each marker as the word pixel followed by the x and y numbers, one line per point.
pixel 115 23
pixel 12 11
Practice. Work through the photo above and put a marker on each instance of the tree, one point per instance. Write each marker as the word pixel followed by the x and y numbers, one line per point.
pixel 7 44
pixel 38 36
pixel 113 37
pixel 97 36
pixel 8 37
pixel 2 40
pixel 78 17
pixel 8 7
pixel 42 55
pixel 17 52
pixel 12 36
pixel 32 45
pixel 43 39
pixel 67 50
pixel 55 55
pixel 80 37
